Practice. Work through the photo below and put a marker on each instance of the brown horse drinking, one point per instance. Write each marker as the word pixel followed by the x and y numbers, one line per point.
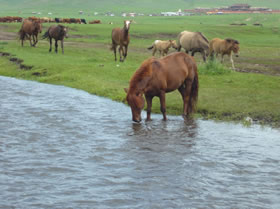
pixel 30 29
pixel 155 77
pixel 120 36
pixel 57 33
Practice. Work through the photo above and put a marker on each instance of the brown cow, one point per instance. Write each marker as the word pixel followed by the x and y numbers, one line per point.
pixel 224 47
pixel 95 22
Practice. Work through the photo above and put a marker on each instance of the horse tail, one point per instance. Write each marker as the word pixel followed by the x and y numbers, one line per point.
pixel 194 91
pixel 21 34
pixel 46 35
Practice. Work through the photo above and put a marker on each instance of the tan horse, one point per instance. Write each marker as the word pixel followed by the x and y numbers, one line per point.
pixel 193 42
pixel 120 36
pixel 162 46
pixel 224 47
pixel 156 77
pixel 30 29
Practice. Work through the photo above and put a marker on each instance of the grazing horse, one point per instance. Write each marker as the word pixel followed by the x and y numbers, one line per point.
pixel 155 77
pixel 162 46
pixel 120 36
pixel 194 42
pixel 30 29
pixel 224 47
pixel 56 32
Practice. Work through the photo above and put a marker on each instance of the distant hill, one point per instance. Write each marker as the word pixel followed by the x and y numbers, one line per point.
pixel 144 6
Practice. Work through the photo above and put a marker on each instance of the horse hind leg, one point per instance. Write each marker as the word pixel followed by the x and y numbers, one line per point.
pixel 185 91
pixel 50 45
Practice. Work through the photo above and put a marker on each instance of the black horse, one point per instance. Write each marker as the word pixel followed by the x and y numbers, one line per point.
pixel 56 32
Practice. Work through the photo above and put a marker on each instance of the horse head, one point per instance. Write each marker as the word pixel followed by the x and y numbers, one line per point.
pixel 174 44
pixel 234 46
pixel 38 25
pixel 136 102
pixel 65 31
pixel 127 24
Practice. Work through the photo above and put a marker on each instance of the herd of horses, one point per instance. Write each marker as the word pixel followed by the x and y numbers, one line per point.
pixel 155 76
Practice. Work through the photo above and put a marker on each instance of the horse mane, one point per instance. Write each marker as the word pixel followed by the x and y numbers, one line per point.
pixel 141 76
pixel 205 39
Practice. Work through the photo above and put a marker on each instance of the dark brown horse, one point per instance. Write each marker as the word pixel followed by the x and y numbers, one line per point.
pixel 120 36
pixel 56 32
pixel 155 77
pixel 30 29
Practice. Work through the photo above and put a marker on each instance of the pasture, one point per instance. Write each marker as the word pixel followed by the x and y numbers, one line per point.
pixel 253 90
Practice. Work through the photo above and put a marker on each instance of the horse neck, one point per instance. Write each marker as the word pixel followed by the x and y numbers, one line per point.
pixel 125 32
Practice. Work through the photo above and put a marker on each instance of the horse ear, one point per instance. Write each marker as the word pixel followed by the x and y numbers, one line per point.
pixel 126 90
pixel 229 40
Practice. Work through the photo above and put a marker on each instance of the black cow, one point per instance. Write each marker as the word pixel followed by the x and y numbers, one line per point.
pixel 83 21
pixel 57 20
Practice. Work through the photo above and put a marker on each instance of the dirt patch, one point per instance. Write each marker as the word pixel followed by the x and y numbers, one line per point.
pixel 25 67
pixel 83 36
pixel 16 61
pixel 43 73
pixel 4 35
pixel 4 54
pixel 155 36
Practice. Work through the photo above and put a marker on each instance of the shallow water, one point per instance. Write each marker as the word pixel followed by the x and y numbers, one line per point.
pixel 65 148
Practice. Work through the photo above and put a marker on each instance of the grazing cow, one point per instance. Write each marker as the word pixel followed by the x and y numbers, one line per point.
pixel 83 21
pixel 194 42
pixel 162 46
pixel 120 36
pixel 95 22
pixel 224 47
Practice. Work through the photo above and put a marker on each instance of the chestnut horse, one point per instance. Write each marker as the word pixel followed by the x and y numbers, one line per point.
pixel 56 32
pixel 30 28
pixel 155 77
pixel 120 36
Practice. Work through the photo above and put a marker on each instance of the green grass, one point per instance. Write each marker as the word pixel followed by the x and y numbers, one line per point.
pixel 71 7
pixel 88 64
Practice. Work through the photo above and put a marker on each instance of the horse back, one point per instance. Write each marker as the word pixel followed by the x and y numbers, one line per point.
pixel 172 71
pixel 217 45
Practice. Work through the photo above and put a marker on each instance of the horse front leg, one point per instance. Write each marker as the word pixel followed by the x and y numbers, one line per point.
pixel 62 46
pixel 34 41
pixel 121 52
pixel 232 62
pixel 162 104
pixel 56 45
pixel 125 52
pixel 149 106
pixel 50 45
pixel 30 41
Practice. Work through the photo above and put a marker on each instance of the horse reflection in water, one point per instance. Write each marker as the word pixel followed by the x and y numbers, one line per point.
pixel 156 77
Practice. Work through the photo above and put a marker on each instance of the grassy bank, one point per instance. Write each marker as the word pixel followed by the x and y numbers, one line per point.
pixel 224 94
